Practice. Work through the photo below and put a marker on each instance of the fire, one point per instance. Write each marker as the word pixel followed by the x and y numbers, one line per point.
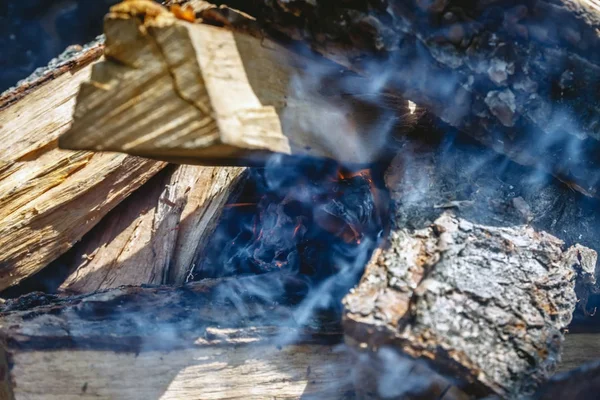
pixel 305 218
pixel 297 228
pixel 232 205
pixel 344 175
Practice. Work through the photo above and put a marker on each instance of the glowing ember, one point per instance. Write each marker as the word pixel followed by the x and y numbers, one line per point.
pixel 309 217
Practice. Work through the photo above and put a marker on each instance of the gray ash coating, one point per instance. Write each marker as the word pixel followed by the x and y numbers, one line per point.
pixel 485 303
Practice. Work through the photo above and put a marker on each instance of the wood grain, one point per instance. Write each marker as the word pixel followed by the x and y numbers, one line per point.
pixel 200 94
pixel 49 198
pixel 156 234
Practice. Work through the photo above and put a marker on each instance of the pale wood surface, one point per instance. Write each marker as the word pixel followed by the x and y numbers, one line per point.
pixel 534 101
pixel 209 339
pixel 49 198
pixel 211 371
pixel 207 371
pixel 154 236
pixel 579 348
pixel 210 189
pixel 198 94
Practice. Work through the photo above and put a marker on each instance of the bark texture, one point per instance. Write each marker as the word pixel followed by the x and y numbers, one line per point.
pixel 154 317
pixel 487 303
pixel 165 342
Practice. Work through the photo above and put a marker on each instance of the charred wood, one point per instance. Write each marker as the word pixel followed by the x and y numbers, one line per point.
pixel 464 270
pixel 485 304
pixel 191 341
pixel 520 78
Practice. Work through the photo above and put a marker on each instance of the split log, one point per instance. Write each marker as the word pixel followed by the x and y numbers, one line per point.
pixel 520 78
pixel 49 198
pixel 577 384
pixel 164 342
pixel 199 94
pixel 580 348
pixel 155 235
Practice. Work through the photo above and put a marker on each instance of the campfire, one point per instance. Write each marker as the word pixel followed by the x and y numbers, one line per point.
pixel 289 199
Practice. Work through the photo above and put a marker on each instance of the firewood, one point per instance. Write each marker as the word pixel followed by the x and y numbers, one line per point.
pixel 166 342
pixel 486 303
pixel 477 293
pixel 580 348
pixel 211 339
pixel 155 235
pixel 199 94
pixel 49 198
pixel 430 176
pixel 520 78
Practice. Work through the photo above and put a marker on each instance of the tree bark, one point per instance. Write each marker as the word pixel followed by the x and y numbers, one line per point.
pixel 49 198
pixel 446 290
pixel 520 78
pixel 443 293
pixel 192 341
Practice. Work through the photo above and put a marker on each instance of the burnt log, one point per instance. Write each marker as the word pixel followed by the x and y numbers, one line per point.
pixel 191 341
pixel 171 342
pixel 520 78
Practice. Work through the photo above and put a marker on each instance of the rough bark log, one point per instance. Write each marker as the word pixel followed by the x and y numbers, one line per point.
pixel 198 94
pixel 49 198
pixel 479 294
pixel 486 304
pixel 155 235
pixel 73 59
pixel 154 317
pixel 165 342
pixel 483 187
pixel 520 78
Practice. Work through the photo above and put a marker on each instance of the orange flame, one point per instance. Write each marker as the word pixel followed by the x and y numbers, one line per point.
pixel 232 205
